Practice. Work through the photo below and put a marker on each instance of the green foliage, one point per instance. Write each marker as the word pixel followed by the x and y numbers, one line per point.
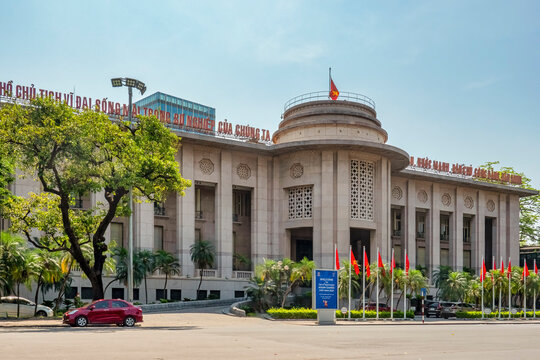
pixel 305 313
pixel 492 315
pixel 529 207
pixel 78 153
pixel 203 256
pixel 343 280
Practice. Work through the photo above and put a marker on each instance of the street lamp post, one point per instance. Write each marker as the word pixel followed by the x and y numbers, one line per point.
pixel 130 84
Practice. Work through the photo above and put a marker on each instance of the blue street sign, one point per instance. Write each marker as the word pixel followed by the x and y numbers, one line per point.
pixel 423 291
pixel 326 289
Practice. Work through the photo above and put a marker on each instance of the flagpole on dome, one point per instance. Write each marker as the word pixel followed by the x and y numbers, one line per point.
pixel 329 80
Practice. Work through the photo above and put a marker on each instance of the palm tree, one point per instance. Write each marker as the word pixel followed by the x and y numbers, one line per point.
pixel 203 255
pixel 146 260
pixel 23 272
pixel 416 281
pixel 167 264
pixel 301 271
pixel 473 291
pixel 440 278
pixel 343 280
pixel 11 255
pixel 49 270
pixel 400 280
pixel 456 284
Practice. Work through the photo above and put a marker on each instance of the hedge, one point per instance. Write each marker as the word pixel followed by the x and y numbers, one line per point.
pixel 305 313
pixel 493 315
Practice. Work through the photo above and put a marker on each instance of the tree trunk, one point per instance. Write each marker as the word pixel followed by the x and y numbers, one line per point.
pixel 62 288
pixel 165 287
pixel 200 282
pixel 18 295
pixel 36 298
pixel 398 300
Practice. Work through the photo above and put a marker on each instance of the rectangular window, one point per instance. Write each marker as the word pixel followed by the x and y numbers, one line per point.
pixel 467 259
pixel 421 256
pixel 397 255
pixel 300 202
pixel 215 294
pixel 466 230
pixel 117 233
pixel 161 294
pixel 420 225
pixel 198 212
pixel 396 222
pixel 86 293
pixel 201 294
pixel 176 294
pixel 159 208
pixel 135 294
pixel 445 257
pixel 445 227
pixel 118 293
pixel 158 237
pixel 71 292
pixel 239 294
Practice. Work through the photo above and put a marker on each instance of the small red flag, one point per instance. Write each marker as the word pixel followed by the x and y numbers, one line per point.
pixel 406 263
pixel 366 264
pixel 380 263
pixel 355 264
pixel 392 264
pixel 334 93
pixel 525 270
pixel 483 271
pixel 535 268
pixel 509 272
pixel 502 267
pixel 337 260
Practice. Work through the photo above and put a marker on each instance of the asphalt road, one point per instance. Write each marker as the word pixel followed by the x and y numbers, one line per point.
pixel 208 334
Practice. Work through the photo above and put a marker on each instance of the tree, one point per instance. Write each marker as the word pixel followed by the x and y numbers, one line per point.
pixel 343 280
pixel 457 284
pixel 146 260
pixel 203 255
pixel 416 281
pixel 166 263
pixel 301 272
pixel 76 153
pixel 440 278
pixel 529 206
pixel 48 270
pixel 11 257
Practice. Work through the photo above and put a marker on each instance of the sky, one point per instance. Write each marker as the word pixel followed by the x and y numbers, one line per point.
pixel 456 81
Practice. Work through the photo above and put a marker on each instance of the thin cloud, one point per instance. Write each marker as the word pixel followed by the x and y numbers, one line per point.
pixel 481 84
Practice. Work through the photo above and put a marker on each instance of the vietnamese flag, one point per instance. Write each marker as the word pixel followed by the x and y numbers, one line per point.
pixel 392 264
pixel 366 264
pixel 509 273
pixel 502 267
pixel 406 264
pixel 535 268
pixel 355 264
pixel 334 93
pixel 380 263
pixel 483 271
pixel 525 270
pixel 337 260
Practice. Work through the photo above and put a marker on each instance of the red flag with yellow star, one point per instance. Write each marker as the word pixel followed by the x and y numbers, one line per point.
pixel 355 264
pixel 334 93
pixel 366 264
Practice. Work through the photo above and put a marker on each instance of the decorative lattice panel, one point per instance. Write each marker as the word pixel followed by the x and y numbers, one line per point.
pixel 301 202
pixel 362 184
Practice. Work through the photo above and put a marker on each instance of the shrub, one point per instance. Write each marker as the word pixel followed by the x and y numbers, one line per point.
pixel 305 313
pixel 493 315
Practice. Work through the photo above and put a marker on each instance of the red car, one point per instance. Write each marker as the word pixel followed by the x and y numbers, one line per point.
pixel 117 312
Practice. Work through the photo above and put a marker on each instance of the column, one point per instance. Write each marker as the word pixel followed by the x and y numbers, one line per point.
pixel 326 240
pixel 457 238
pixel 480 232
pixel 143 222
pixel 224 242
pixel 279 236
pixel 502 224
pixel 433 245
pixel 410 227
pixel 260 240
pixel 343 213
pixel 186 214
pixel 513 226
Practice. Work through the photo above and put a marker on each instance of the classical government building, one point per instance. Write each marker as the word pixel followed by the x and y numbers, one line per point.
pixel 326 177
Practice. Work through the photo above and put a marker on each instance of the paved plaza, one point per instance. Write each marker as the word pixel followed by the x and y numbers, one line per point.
pixel 212 335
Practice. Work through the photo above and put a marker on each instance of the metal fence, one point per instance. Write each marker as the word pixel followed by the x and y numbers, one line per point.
pixel 324 95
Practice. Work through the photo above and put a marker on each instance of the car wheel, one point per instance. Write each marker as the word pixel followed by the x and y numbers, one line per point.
pixel 41 313
pixel 81 321
pixel 129 321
